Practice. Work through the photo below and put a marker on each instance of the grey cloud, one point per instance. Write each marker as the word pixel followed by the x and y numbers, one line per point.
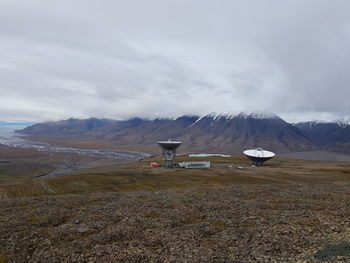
pixel 159 58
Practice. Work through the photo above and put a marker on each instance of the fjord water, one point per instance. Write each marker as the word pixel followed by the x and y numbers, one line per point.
pixel 9 138
pixel 7 130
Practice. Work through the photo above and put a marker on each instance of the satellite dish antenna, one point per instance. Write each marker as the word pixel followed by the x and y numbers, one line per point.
pixel 259 156
pixel 169 151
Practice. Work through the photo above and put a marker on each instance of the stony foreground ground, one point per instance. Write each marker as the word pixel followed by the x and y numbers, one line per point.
pixel 247 223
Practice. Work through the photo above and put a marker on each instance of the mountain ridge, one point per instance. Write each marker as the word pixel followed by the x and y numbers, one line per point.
pixel 328 135
pixel 224 132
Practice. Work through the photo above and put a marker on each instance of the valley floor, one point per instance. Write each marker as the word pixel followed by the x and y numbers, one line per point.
pixel 317 156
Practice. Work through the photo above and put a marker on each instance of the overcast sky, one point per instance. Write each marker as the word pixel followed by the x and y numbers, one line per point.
pixel 165 58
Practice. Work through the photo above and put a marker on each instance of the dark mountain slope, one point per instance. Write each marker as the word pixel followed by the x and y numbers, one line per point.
pixel 157 130
pixel 246 131
pixel 226 133
pixel 334 136
pixel 67 127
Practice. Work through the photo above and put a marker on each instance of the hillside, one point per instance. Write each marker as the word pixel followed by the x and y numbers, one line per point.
pixel 237 132
pixel 331 136
pixel 67 127
pixel 286 211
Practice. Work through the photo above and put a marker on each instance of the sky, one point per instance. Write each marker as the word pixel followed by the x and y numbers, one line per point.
pixel 167 58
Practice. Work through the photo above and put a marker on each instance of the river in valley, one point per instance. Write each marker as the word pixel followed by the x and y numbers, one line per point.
pixel 9 138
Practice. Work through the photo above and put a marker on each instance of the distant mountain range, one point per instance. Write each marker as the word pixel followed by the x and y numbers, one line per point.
pixel 213 132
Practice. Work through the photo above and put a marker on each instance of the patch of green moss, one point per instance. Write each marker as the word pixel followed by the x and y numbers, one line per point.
pixel 332 251
pixel 3 259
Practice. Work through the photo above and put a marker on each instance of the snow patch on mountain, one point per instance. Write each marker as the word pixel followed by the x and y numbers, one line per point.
pixel 258 115
pixel 244 115
pixel 240 115
pixel 342 122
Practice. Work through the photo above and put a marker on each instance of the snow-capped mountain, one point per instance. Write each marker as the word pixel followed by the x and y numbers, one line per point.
pixel 226 132
pixel 244 115
pixel 244 130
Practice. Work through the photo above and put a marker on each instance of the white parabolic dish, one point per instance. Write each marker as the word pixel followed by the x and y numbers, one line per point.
pixel 259 153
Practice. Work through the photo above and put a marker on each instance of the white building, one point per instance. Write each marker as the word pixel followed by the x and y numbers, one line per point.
pixel 195 165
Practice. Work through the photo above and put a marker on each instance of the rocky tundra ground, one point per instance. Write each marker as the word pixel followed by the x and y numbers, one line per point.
pixel 245 223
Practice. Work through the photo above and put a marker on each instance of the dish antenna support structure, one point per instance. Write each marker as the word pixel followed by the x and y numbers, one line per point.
pixel 259 156
pixel 169 152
